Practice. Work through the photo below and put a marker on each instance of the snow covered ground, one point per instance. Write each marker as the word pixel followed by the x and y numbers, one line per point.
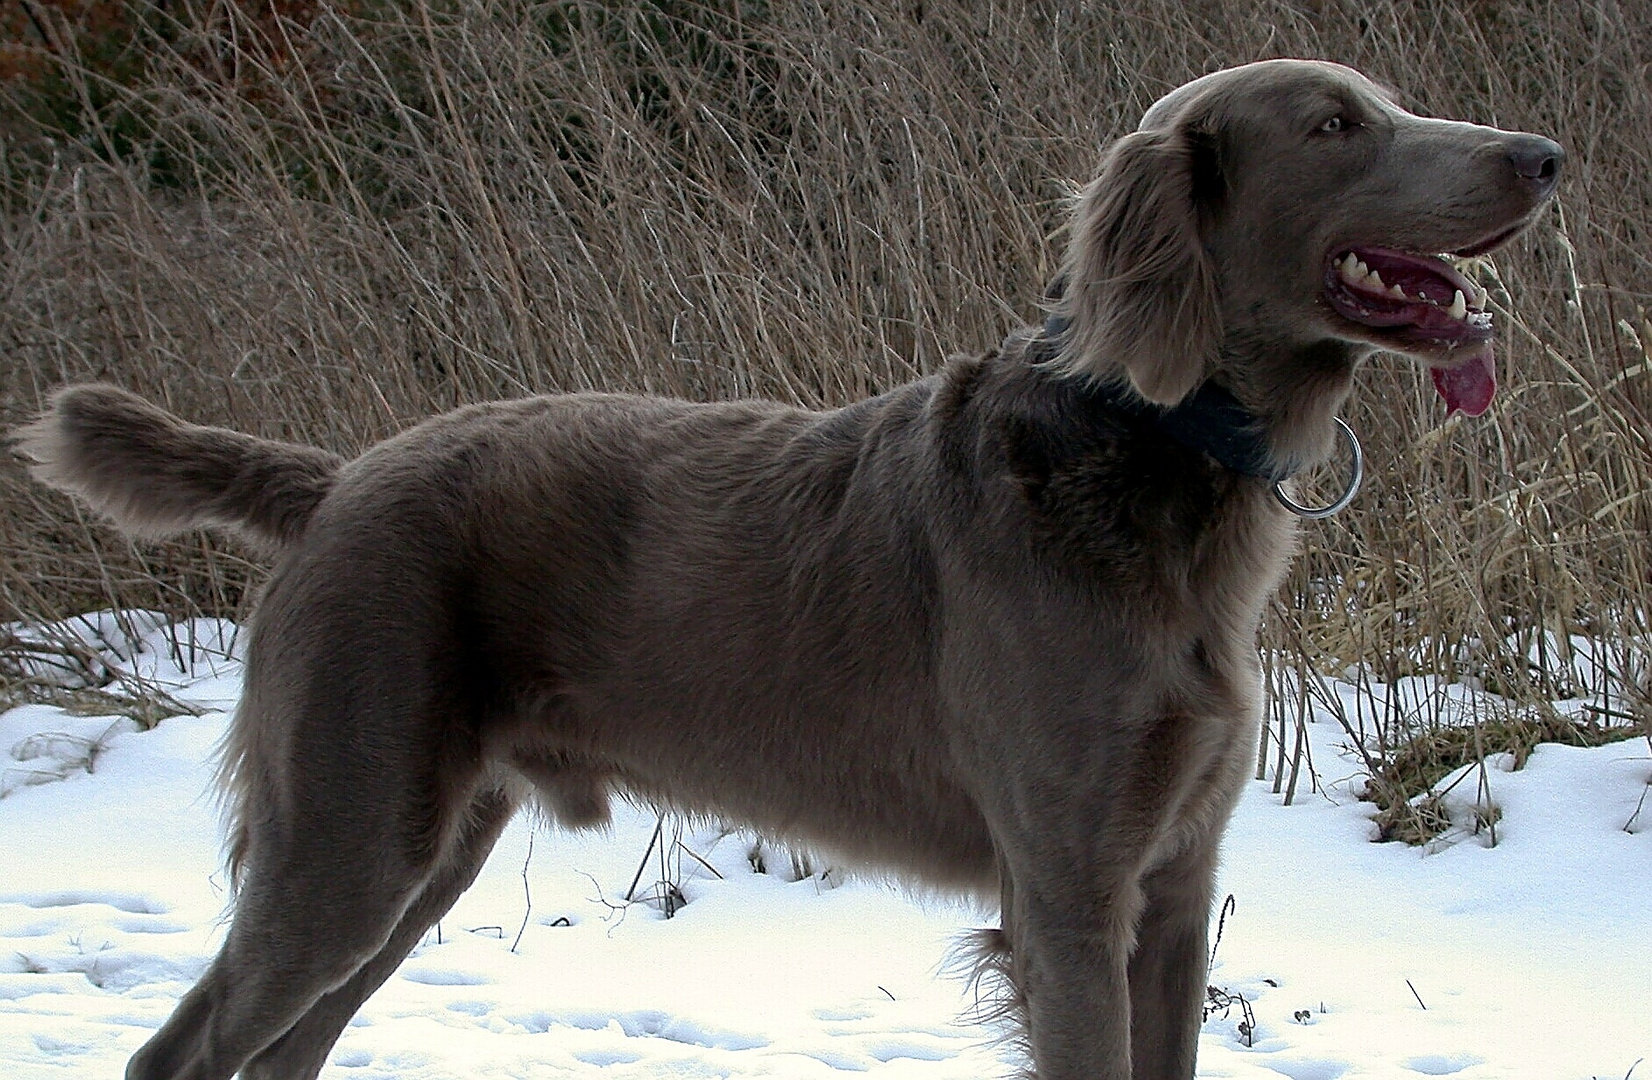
pixel 1532 958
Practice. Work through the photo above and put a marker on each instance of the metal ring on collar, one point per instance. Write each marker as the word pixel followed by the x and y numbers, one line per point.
pixel 1348 492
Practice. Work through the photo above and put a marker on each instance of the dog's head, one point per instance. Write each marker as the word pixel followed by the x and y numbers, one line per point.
pixel 1272 209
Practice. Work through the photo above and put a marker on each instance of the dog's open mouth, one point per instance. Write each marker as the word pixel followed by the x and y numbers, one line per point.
pixel 1422 305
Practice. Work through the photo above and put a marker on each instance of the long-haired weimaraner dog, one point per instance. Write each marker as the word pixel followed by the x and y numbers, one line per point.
pixel 994 630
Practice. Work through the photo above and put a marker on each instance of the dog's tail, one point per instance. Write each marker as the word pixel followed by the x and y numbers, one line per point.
pixel 154 474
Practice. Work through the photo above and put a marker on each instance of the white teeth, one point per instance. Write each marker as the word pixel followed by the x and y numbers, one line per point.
pixel 1361 276
pixel 1354 271
pixel 1357 274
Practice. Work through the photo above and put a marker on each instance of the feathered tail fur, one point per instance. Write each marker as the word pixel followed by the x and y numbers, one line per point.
pixel 154 474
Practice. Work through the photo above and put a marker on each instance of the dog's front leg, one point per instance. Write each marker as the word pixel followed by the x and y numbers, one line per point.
pixel 1107 906
pixel 1070 945
pixel 1170 965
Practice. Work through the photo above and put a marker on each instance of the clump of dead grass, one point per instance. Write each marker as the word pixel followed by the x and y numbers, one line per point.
pixel 1406 785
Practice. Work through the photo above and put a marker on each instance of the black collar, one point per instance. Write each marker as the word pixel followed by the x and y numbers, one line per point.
pixel 1210 419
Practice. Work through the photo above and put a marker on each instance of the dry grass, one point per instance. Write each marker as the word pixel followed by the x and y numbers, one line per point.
pixel 332 225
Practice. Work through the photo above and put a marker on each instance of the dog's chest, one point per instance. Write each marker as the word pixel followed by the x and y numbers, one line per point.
pixel 1156 519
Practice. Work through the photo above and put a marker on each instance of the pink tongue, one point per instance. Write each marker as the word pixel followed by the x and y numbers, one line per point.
pixel 1469 386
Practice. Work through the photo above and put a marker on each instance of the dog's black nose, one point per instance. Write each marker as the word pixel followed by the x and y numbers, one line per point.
pixel 1536 158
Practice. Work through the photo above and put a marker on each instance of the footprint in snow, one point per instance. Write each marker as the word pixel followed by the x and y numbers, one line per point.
pixel 605 1058
pixel 843 1014
pixel 131 903
pixel 444 977
pixel 1442 1064
pixel 1310 1068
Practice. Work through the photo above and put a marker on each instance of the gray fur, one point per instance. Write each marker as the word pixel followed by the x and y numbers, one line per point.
pixel 984 631
pixel 154 475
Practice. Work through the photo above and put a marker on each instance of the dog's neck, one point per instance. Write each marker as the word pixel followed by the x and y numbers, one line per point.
pixel 1294 392
pixel 1211 419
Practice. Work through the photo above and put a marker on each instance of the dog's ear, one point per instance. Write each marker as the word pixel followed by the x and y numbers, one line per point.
pixel 1140 289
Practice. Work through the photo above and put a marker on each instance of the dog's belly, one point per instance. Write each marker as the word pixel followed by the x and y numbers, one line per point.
pixel 867 784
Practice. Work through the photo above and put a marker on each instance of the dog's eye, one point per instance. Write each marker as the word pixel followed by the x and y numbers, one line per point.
pixel 1337 124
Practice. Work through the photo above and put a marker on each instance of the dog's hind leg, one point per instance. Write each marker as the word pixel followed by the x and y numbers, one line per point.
pixel 296 936
pixel 313 935
pixel 299 1054
pixel 355 778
